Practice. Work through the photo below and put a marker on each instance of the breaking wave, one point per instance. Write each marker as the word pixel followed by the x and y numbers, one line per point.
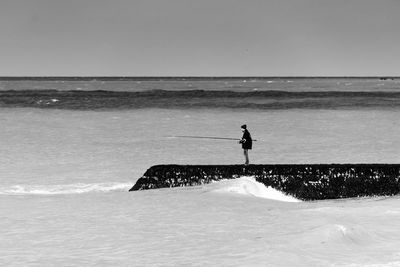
pixel 248 186
pixel 78 188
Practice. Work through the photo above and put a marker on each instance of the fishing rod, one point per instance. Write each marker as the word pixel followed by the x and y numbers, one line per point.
pixel 206 137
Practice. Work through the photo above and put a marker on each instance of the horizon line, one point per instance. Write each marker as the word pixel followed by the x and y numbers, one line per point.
pixel 195 77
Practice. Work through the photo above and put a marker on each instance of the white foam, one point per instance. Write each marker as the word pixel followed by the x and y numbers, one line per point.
pixel 78 188
pixel 250 187
pixel 342 229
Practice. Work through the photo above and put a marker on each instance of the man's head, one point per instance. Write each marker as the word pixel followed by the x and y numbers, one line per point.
pixel 243 127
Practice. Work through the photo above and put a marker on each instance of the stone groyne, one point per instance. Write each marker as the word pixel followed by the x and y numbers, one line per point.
pixel 303 181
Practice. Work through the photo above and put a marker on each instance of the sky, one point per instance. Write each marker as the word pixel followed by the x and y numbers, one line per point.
pixel 199 38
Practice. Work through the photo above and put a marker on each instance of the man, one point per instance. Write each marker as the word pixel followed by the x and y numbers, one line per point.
pixel 246 142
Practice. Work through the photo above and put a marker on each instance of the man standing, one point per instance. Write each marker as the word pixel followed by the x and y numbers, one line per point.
pixel 246 142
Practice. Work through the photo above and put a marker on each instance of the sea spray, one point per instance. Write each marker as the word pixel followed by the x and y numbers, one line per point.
pixel 248 186
pixel 78 188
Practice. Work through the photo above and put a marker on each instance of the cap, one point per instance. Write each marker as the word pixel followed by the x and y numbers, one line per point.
pixel 243 126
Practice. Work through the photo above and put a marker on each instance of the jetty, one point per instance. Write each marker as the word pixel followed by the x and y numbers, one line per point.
pixel 303 181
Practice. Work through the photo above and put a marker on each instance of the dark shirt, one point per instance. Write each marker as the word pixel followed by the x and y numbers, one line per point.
pixel 247 142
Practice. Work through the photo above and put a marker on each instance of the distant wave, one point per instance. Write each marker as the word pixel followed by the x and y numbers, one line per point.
pixel 103 100
pixel 78 188
pixel 250 187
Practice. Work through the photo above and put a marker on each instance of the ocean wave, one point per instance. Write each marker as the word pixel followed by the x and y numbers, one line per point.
pixel 78 188
pixel 254 99
pixel 248 186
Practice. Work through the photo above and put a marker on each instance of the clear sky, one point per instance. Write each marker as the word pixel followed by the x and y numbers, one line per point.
pixel 199 37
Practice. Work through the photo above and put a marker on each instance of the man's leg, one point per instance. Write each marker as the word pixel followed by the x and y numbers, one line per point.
pixel 246 156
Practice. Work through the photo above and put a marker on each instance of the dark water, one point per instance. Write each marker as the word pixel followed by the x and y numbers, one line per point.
pixel 245 84
pixel 119 93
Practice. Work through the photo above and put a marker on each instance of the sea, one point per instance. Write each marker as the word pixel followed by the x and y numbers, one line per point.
pixel 72 147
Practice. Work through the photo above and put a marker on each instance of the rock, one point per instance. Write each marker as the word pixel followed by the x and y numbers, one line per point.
pixel 303 181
